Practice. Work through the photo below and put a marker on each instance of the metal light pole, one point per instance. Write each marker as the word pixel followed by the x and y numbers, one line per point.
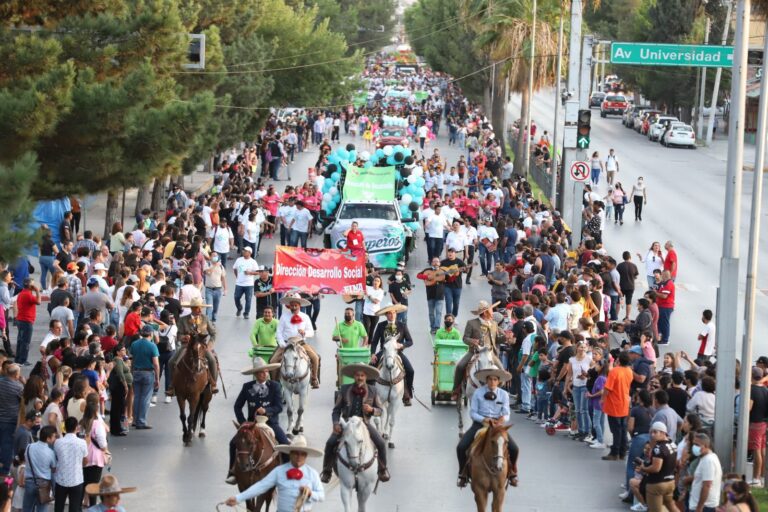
pixel 718 74
pixel 702 89
pixel 530 92
pixel 556 129
pixel 749 305
pixel 728 291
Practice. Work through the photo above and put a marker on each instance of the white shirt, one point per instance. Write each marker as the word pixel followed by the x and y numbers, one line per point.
pixel 488 232
pixel 186 294
pixel 70 451
pixel 241 266
pixel 451 182
pixel 286 213
pixel 154 288
pixel 611 164
pixel 470 235
pixel 450 214
pixel 286 330
pixel 423 131
pixel 708 470
pixel 287 490
pixel 456 241
pixel 709 332
pixel 221 237
pixel 252 231
pixel 49 337
pixel 435 226
pixel 301 220
pixel 370 308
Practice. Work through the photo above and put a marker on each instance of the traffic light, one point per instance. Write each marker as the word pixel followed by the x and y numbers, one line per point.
pixel 584 127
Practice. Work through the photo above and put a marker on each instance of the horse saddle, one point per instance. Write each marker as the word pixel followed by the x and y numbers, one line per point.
pixel 183 357
pixel 261 423
pixel 398 379
pixel 300 350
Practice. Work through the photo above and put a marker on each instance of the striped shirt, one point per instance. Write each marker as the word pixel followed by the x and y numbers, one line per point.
pixel 10 399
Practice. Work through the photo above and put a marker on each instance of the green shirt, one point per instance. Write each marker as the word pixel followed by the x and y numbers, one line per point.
pixel 353 333
pixel 263 333
pixel 533 369
pixel 453 334
pixel 143 351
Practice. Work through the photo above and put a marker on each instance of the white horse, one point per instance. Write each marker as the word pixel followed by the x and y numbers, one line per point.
pixel 484 359
pixel 294 377
pixel 356 463
pixel 390 387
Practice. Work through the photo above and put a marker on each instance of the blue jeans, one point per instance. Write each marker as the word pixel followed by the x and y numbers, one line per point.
pixel 297 237
pixel 452 299
pixel 598 420
pixel 359 304
pixel 435 313
pixel 239 292
pixel 618 426
pixel 402 317
pixel 143 385
pixel 213 297
pixel 664 326
pixel 31 498
pixel 526 382
pixel 595 176
pixel 635 450
pixel 542 401
pixel 46 266
pixel 7 429
pixel 434 247
pixel 486 260
pixel 23 340
pixel 581 404
pixel 274 167
pixel 164 368
pixel 285 235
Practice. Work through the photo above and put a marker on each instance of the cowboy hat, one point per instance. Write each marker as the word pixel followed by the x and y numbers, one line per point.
pixel 260 366
pixel 493 372
pixel 294 297
pixel 107 485
pixel 349 370
pixel 395 308
pixel 196 302
pixel 299 444
pixel 482 307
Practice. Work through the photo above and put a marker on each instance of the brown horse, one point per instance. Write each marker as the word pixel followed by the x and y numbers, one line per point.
pixel 255 457
pixel 489 465
pixel 190 380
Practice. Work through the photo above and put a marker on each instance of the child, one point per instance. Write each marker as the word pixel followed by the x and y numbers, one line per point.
pixel 597 408
pixel 648 352
pixel 543 392
pixel 17 473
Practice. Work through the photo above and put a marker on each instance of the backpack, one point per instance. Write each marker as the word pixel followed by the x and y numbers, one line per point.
pixel 274 150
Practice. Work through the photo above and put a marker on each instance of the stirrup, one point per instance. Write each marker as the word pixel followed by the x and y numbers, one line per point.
pixel 383 474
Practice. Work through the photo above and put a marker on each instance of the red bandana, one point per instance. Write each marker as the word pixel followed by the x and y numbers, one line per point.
pixel 359 391
pixel 294 474
pixel 296 319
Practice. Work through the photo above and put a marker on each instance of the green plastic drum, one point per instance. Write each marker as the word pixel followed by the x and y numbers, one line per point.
pixel 447 354
pixel 352 355
pixel 264 352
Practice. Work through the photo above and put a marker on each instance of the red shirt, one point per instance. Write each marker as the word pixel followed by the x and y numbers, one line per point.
pixel 669 302
pixel 108 343
pixel 669 260
pixel 355 242
pixel 132 324
pixel 26 306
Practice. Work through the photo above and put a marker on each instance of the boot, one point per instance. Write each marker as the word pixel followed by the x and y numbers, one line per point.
pixel 230 478
pixel 327 473
pixel 407 398
pixel 212 383
pixel 315 383
pixel 383 473
pixel 463 479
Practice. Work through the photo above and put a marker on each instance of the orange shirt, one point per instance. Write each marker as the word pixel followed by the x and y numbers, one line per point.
pixel 616 403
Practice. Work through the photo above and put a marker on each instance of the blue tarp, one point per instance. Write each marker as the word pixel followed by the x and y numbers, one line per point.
pixel 51 213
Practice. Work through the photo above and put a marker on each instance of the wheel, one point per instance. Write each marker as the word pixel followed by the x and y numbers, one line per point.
pixel 433 396
pixel 327 241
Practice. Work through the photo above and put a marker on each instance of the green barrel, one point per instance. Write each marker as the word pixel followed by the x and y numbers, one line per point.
pixel 353 355
pixel 448 353
pixel 264 352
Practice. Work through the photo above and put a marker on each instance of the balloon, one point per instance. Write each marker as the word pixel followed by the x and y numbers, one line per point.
pixel 350 147
pixel 413 206
pixel 367 165
pixel 412 179
pixel 352 156
pixel 333 159
pixel 320 181
pixel 379 154
pixel 391 160
pixel 418 171
pixel 398 156
pixel 407 152
pixel 406 199
pixel 409 160
pixel 332 168
pixel 398 176
pixel 336 176
pixel 327 197
pixel 413 226
pixel 405 173
pixel 388 150
pixel 365 155
pixel 333 191
pixel 420 182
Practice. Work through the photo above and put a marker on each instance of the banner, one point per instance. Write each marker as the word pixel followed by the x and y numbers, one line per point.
pixel 317 271
pixel 372 184
pixel 384 242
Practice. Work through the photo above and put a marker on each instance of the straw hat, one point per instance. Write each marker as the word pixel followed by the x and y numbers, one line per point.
pixel 294 297
pixel 349 370
pixel 259 365
pixel 395 308
pixel 482 306
pixel 196 302
pixel 493 372
pixel 106 486
pixel 299 444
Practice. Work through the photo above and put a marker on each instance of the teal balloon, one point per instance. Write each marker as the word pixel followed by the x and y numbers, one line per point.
pixel 398 177
pixel 352 156
pixel 379 154
pixel 336 176
pixel 391 160
pixel 367 165
pixel 343 154
pixel 420 182
pixel 413 226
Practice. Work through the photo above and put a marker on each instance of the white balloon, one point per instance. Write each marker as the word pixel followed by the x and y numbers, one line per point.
pixel 319 180
pixel 333 191
pixel 411 178
pixel 406 199
pixel 327 197
pixel 388 150
pixel 365 156
pixel 417 171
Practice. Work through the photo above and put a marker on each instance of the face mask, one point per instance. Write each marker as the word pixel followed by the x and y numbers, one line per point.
pixel 448 323
pixel 215 260
pixel 348 318
pixel 696 450
pixel 398 278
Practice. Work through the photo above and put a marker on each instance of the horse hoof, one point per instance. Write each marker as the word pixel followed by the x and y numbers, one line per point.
pixel 391 444
pixel 202 433
pixel 296 431
pixel 301 430
pixel 385 436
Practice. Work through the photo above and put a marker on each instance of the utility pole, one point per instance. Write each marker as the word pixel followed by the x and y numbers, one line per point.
pixel 754 239
pixel 702 90
pixel 718 74
pixel 556 130
pixel 728 291
pixel 531 74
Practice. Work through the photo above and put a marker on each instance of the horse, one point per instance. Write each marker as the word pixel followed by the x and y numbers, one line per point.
pixel 482 360
pixel 357 464
pixel 190 380
pixel 489 466
pixel 295 378
pixel 390 388
pixel 255 458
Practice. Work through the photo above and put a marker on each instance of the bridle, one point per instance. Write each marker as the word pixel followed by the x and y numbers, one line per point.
pixel 253 465
pixel 283 374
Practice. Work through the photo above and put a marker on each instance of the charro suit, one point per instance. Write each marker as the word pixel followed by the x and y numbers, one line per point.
pixel 191 325
pixel 404 338
pixel 490 335
pixel 255 396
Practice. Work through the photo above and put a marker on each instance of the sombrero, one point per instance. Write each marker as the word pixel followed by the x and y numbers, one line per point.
pixel 503 376
pixel 259 365
pixel 483 306
pixel 294 297
pixel 107 485
pixel 395 308
pixel 196 302
pixel 350 370
pixel 299 444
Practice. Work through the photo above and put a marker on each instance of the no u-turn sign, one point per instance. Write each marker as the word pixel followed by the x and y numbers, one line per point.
pixel 580 171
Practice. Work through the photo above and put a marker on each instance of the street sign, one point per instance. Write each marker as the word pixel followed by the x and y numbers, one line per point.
pixel 569 137
pixel 691 55
pixel 583 142
pixel 580 171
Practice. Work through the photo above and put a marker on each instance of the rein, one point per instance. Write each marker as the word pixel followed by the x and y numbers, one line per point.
pixel 255 466
pixel 295 379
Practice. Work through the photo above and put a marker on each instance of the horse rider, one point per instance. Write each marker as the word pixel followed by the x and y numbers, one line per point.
pixel 392 328
pixel 297 324
pixel 196 324
pixel 489 407
pixel 357 399
pixel 479 332
pixel 298 484
pixel 264 330
pixel 350 333
pixel 263 398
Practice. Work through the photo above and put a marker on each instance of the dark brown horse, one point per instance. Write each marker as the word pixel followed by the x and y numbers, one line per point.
pixel 255 457
pixel 190 380
pixel 489 465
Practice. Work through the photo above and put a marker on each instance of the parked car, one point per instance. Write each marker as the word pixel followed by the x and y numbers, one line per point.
pixel 649 117
pixel 627 118
pixel 680 134
pixel 613 104
pixel 657 128
pixel 596 99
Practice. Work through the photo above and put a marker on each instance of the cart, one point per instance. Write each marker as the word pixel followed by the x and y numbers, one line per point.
pixel 447 355
pixel 265 353
pixel 345 356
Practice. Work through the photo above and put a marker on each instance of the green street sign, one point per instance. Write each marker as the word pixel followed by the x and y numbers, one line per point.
pixel 690 55
pixel 582 142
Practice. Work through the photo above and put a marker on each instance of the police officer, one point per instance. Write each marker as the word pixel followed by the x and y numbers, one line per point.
pixel 264 398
